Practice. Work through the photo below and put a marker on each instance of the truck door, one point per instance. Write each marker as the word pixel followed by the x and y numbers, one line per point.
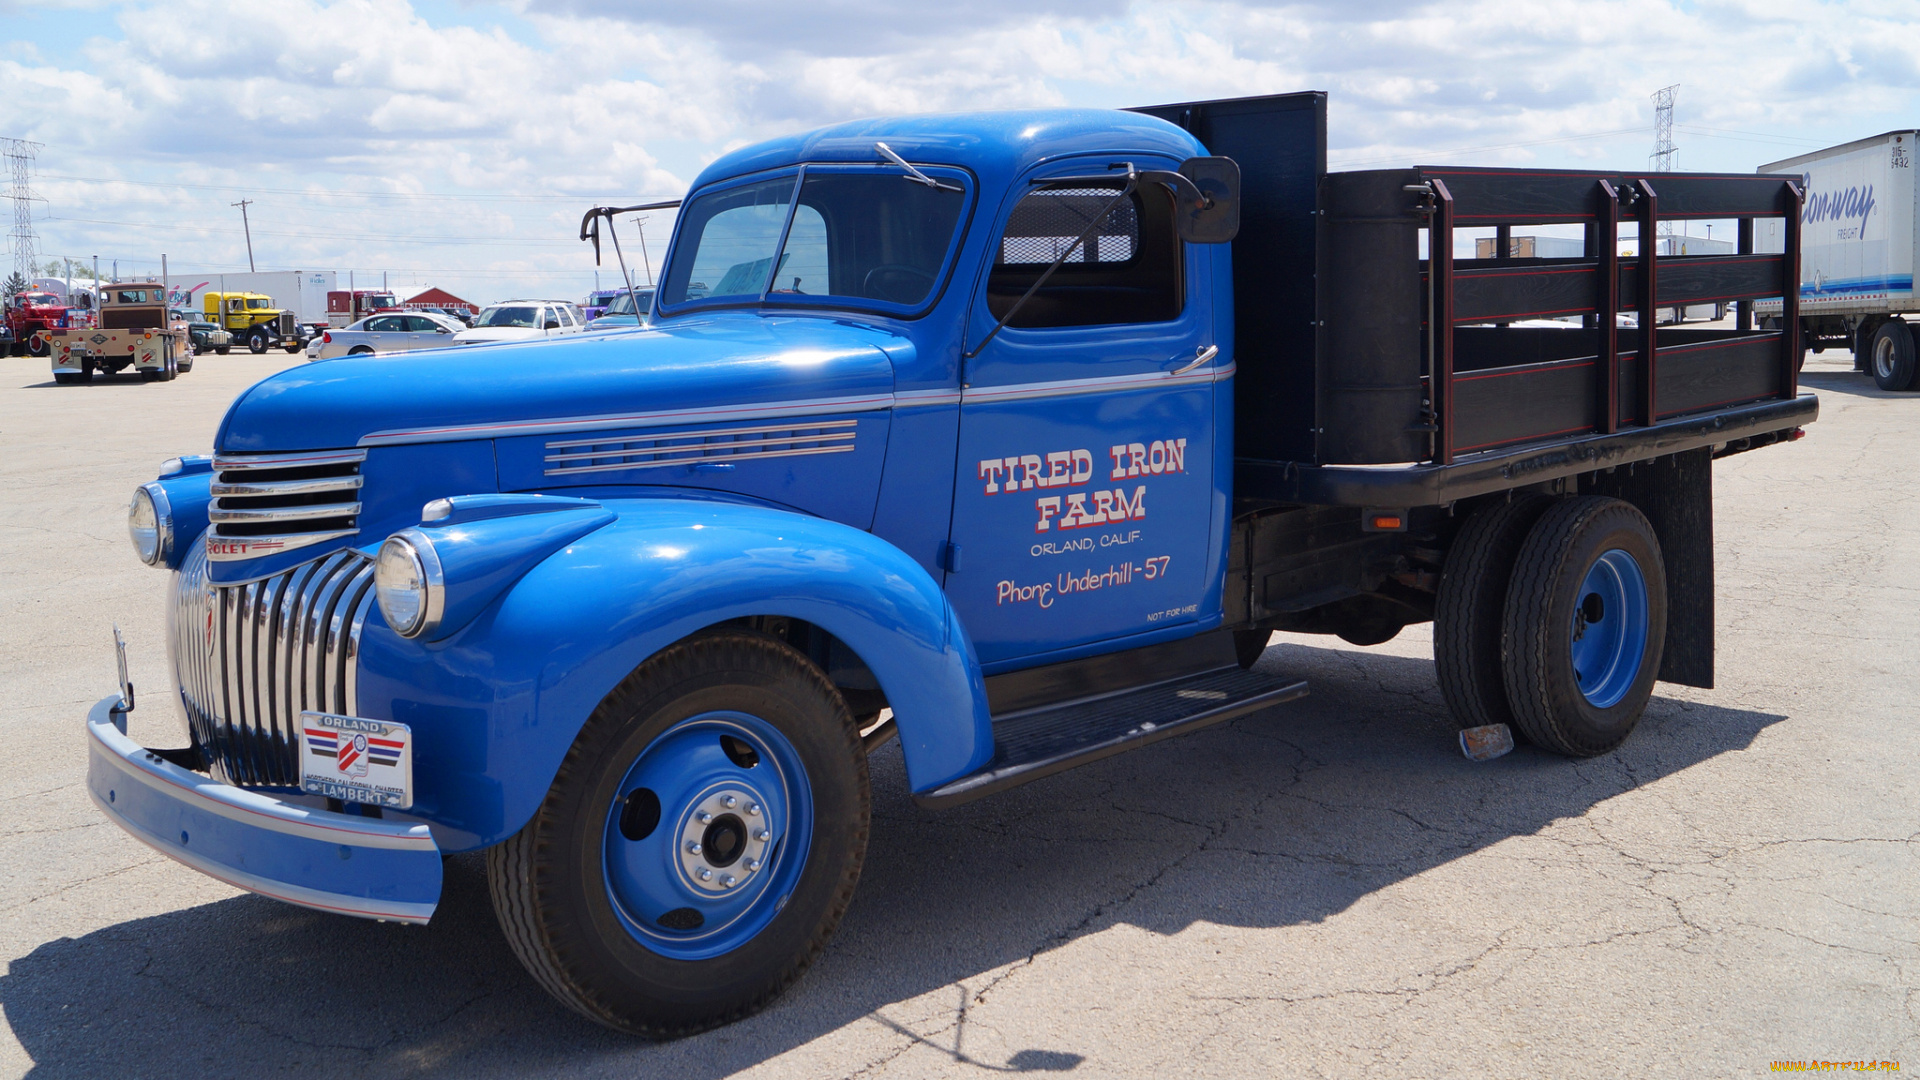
pixel 1085 494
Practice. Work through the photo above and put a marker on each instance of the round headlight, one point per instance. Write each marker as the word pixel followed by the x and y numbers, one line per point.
pixel 406 579
pixel 150 523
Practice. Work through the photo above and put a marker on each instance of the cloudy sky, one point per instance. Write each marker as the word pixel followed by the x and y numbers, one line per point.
pixel 456 143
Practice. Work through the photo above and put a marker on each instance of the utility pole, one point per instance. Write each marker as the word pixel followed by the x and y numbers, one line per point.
pixel 20 154
pixel 242 204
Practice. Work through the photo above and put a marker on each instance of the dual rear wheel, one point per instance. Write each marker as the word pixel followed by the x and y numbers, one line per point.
pixel 1551 618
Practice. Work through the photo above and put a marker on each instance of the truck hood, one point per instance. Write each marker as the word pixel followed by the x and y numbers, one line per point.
pixel 690 365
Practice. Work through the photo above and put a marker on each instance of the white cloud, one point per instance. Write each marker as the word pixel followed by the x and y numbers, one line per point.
pixel 314 107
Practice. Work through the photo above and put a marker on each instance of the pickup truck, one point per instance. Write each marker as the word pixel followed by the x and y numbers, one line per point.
pixel 136 331
pixel 1008 436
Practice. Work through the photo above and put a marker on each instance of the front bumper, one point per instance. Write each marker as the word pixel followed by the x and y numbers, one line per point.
pixel 343 863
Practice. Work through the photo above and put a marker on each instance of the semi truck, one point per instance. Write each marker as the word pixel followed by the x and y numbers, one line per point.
pixel 1010 438
pixel 303 292
pixel 135 331
pixel 348 306
pixel 255 318
pixel 1860 231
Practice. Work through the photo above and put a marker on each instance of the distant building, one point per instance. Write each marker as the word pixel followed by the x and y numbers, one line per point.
pixel 440 298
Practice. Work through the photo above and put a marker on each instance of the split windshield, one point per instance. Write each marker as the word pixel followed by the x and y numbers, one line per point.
pixel 866 235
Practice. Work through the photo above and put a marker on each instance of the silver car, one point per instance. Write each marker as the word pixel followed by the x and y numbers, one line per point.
pixel 388 333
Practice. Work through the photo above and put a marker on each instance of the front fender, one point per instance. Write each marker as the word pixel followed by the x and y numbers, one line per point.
pixel 495 706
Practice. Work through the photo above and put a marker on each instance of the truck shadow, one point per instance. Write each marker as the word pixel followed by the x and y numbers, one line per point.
pixel 1854 383
pixel 1313 806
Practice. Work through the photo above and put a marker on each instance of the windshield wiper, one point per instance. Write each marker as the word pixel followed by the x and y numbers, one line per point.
pixel 914 174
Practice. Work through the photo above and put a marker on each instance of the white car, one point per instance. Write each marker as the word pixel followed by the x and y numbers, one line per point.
pixel 391 332
pixel 523 320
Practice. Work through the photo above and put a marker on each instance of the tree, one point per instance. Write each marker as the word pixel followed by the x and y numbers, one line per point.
pixel 15 284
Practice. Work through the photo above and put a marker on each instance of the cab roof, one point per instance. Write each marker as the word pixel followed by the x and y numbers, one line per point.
pixel 996 146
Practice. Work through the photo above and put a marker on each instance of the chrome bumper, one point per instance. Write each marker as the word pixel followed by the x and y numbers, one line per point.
pixel 349 865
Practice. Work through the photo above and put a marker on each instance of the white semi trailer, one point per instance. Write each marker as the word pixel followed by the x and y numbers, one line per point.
pixel 303 292
pixel 1858 241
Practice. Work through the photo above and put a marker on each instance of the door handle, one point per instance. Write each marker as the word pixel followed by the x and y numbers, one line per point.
pixel 1206 354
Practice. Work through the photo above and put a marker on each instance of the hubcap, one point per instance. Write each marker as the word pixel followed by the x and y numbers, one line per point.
pixel 1883 358
pixel 707 835
pixel 1610 628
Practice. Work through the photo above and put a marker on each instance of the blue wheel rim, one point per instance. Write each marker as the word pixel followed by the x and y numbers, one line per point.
pixel 655 881
pixel 1609 628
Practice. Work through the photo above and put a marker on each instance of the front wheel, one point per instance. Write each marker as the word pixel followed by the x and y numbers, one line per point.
pixel 1585 625
pixel 700 843
pixel 257 342
pixel 39 346
pixel 223 349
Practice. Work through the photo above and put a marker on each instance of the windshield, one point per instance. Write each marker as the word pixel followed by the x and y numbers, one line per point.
pixel 526 318
pixel 855 235
pixel 623 303
pixel 39 299
pixel 258 305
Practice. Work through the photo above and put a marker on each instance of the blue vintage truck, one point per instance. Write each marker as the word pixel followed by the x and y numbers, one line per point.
pixel 1012 436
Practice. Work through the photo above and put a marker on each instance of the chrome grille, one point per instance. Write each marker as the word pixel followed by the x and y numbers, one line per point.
pixel 657 450
pixel 248 658
pixel 264 504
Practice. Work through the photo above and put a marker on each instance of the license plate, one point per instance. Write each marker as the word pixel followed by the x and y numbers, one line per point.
pixel 356 760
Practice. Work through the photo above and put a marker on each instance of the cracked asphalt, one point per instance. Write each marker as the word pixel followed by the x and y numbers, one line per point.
pixel 1323 889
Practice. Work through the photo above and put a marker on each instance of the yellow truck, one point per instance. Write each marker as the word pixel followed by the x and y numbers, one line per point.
pixel 252 318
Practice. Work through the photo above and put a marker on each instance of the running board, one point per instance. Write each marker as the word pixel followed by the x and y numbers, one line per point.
pixel 1039 742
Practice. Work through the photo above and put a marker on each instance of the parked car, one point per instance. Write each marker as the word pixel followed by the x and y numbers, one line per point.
pixel 523 320
pixel 392 332
pixel 619 311
pixel 465 318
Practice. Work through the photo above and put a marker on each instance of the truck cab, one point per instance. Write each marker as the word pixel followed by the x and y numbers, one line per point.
pixel 254 319
pixel 30 312
pixel 1007 437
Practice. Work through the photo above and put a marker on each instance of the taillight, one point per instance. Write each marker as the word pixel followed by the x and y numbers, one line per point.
pixel 326 338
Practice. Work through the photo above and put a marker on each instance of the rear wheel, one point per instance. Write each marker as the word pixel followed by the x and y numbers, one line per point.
pixel 1470 606
pixel 698 845
pixel 1585 625
pixel 1891 356
pixel 360 350
pixel 70 378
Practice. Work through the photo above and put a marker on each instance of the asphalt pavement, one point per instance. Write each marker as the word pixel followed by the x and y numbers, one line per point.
pixel 1326 888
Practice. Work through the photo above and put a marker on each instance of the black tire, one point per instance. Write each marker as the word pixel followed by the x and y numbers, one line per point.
pixel 1890 356
pixel 69 378
pixel 549 889
pixel 224 349
pixel 1544 596
pixel 360 350
pixel 1471 606
pixel 257 342
pixel 150 375
pixel 294 348
pixel 39 346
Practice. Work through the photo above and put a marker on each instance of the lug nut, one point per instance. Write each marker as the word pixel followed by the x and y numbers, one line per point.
pixel 694 848
pixel 729 881
pixel 763 836
pixel 704 817
pixel 706 874
pixel 752 865
pixel 753 809
pixel 731 802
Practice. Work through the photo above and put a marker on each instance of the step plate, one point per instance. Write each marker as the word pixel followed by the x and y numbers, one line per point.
pixel 1040 742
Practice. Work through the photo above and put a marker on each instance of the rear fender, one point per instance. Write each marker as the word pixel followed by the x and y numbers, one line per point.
pixel 495 706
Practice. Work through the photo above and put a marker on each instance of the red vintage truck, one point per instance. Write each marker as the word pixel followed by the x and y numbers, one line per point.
pixel 30 312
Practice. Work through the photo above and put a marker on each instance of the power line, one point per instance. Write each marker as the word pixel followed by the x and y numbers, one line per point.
pixel 1430 154
pixel 311 193
pixel 361 237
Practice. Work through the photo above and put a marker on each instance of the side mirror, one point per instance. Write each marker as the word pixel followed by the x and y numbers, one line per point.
pixel 441 330
pixel 1217 220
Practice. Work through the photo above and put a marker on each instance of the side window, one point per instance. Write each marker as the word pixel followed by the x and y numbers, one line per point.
pixel 1127 271
pixel 386 324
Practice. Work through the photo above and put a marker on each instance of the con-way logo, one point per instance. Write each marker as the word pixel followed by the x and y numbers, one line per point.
pixel 1854 204
pixel 1074 468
